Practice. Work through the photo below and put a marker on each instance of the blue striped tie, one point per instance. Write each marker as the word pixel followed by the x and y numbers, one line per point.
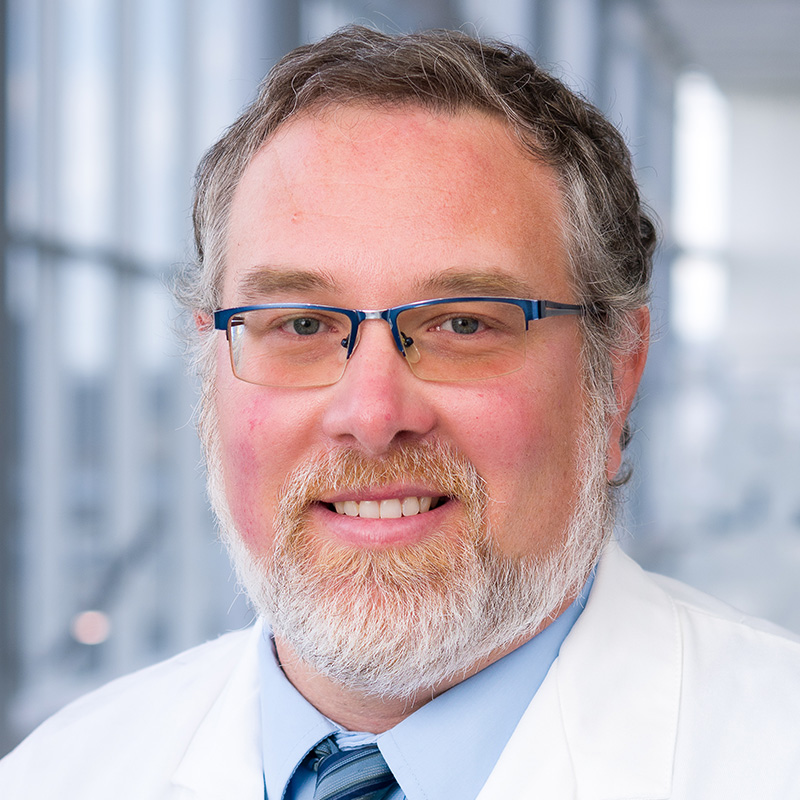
pixel 359 774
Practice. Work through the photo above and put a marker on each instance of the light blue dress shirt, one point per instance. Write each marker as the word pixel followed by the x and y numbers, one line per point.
pixel 464 728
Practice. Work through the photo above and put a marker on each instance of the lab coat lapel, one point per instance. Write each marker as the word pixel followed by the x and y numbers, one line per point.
pixel 223 759
pixel 603 724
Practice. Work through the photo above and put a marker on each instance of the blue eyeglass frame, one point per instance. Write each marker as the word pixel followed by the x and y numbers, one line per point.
pixel 533 310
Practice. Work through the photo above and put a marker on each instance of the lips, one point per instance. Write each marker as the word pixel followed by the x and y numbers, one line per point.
pixel 390 508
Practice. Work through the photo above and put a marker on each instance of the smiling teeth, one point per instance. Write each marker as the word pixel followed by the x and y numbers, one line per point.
pixel 385 509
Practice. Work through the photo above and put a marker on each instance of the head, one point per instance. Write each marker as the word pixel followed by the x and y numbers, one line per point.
pixel 422 123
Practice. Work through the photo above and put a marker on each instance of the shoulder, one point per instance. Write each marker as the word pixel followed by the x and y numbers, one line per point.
pixel 703 620
pixel 709 626
pixel 148 692
pixel 739 671
pixel 125 719
pixel 662 691
pixel 736 682
pixel 698 602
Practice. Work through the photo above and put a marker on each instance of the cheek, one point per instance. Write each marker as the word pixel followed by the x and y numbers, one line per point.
pixel 524 446
pixel 502 430
pixel 515 433
pixel 254 448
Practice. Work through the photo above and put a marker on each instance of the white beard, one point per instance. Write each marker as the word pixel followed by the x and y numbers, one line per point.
pixel 396 623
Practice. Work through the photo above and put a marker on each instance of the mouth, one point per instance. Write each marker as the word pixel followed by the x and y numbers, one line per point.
pixel 389 508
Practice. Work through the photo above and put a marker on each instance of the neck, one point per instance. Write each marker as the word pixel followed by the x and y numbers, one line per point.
pixel 356 711
pixel 352 710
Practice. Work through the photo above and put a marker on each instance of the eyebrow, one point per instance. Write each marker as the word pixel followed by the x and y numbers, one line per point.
pixel 473 282
pixel 268 281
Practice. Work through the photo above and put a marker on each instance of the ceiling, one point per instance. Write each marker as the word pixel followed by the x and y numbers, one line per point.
pixel 746 45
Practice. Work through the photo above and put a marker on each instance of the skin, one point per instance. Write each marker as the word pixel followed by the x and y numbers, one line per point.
pixel 368 209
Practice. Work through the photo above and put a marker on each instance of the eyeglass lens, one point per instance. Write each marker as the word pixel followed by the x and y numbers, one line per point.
pixel 458 341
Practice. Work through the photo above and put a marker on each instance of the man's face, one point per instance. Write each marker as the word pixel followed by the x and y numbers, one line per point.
pixel 369 209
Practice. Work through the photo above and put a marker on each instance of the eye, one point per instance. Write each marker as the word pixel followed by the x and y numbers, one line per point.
pixel 463 325
pixel 317 324
pixel 303 326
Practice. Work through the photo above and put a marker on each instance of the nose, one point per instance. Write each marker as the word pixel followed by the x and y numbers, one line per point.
pixel 378 402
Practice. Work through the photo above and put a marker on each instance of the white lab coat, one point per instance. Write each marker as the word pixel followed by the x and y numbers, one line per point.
pixel 658 692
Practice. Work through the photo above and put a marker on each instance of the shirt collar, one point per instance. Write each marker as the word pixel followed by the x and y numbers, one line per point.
pixel 291 726
pixel 466 727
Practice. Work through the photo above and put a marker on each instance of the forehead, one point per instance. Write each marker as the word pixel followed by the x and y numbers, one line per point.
pixel 390 199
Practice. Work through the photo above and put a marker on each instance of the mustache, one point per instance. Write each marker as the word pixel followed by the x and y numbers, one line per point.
pixel 455 548
pixel 434 464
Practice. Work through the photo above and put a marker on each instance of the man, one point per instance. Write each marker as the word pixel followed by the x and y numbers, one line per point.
pixel 420 310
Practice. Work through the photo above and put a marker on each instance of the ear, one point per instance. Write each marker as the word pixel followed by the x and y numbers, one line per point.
pixel 628 367
pixel 202 321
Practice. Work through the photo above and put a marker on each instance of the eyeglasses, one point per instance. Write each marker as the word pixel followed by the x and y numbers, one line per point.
pixel 450 339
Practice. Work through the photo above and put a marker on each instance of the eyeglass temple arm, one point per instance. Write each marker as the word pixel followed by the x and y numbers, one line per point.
pixel 549 308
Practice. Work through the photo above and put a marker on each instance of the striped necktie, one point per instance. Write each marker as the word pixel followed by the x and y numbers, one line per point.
pixel 359 774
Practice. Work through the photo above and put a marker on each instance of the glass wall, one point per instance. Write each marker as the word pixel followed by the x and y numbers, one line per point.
pixel 110 105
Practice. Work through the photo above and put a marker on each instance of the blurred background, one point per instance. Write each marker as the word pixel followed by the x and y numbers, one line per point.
pixel 108 557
